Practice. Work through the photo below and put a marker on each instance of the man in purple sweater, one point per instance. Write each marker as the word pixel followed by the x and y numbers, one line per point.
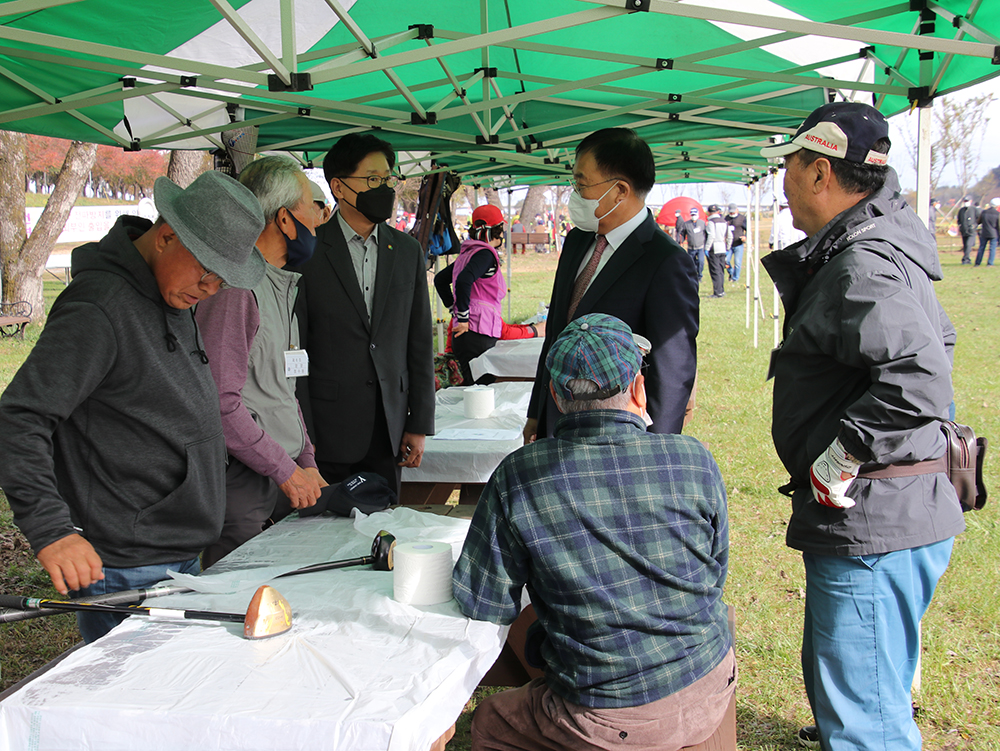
pixel 252 341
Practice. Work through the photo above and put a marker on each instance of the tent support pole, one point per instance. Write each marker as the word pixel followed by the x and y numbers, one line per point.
pixel 925 120
pixel 756 265
pixel 510 269
pixel 748 251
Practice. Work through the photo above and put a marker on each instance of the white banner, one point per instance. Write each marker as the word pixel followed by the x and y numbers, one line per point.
pixel 88 223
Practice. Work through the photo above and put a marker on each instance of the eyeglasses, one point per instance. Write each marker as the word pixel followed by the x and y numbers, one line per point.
pixel 210 277
pixel 578 186
pixel 375 181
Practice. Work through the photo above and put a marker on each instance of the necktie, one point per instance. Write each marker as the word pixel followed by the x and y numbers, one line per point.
pixel 583 281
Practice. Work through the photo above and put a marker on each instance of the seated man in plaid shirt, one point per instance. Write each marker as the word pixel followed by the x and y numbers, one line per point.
pixel 621 537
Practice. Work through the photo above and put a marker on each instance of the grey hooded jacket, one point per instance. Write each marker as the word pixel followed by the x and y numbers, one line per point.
pixel 866 357
pixel 111 427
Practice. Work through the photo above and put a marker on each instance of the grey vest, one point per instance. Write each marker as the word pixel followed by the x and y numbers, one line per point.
pixel 268 394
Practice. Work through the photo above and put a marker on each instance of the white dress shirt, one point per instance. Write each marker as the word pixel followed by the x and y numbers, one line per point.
pixel 615 239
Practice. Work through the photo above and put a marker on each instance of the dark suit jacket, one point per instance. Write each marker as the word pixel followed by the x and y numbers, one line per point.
pixel 649 282
pixel 348 355
pixel 968 218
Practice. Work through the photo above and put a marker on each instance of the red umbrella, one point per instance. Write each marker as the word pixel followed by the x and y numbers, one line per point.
pixel 682 204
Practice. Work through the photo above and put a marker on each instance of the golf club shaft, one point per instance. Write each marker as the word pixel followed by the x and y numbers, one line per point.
pixel 133 596
pixel 31 603
pixel 364 560
pixel 128 597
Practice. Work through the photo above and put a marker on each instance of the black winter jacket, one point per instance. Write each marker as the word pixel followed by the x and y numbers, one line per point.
pixel 866 357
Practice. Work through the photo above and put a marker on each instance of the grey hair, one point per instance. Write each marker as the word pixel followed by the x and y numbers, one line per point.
pixel 583 386
pixel 277 182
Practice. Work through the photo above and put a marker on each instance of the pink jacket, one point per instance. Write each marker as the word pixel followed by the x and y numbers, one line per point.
pixel 487 292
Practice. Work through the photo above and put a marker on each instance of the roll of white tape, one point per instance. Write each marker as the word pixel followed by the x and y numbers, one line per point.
pixel 421 573
pixel 478 402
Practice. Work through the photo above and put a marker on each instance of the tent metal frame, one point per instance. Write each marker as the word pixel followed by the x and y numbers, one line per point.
pixel 500 143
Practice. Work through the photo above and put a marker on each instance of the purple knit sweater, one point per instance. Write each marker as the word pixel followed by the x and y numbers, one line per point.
pixel 228 323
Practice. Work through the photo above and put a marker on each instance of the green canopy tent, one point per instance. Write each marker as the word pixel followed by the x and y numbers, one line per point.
pixel 494 90
pixel 490 87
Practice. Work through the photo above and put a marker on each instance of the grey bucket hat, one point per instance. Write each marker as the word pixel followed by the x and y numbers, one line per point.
pixel 218 221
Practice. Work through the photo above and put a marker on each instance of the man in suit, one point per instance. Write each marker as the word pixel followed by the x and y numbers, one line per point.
pixel 617 261
pixel 366 324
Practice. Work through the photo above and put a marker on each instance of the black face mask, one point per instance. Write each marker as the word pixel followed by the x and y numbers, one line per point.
pixel 302 247
pixel 375 204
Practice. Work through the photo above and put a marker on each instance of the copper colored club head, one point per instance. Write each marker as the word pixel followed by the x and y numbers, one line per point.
pixel 269 614
pixel 382 547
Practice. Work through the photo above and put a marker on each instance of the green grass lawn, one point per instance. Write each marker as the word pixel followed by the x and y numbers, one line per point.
pixel 958 701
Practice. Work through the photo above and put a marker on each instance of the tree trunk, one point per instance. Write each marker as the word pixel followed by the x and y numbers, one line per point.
pixel 24 262
pixel 534 203
pixel 185 166
pixel 492 196
pixel 13 162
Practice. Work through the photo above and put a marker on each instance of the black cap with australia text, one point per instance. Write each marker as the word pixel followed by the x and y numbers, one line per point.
pixel 845 130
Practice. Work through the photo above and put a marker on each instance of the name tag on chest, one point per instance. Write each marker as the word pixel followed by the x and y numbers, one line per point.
pixel 296 363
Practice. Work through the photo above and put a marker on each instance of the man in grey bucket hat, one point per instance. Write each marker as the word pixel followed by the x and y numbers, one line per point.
pixel 114 454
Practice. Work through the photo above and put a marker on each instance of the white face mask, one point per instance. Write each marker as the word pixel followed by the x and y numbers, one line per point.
pixel 581 210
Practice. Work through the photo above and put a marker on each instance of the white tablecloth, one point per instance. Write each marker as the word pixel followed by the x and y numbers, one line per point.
pixel 517 358
pixel 472 461
pixel 358 671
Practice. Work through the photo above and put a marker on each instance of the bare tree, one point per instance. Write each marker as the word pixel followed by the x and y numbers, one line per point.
pixel 185 166
pixel 959 129
pixel 23 257
pixel 962 126
pixel 938 161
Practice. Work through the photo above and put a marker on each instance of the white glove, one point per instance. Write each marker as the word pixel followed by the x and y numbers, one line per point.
pixel 831 474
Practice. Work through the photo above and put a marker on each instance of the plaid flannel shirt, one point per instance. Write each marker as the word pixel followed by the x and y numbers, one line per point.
pixel 621 537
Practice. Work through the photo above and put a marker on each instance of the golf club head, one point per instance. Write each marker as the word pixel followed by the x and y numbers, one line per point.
pixel 382 548
pixel 269 614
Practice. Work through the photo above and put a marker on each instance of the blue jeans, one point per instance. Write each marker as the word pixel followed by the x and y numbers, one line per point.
pixel 698 256
pixel 95 625
pixel 992 241
pixel 861 642
pixel 735 260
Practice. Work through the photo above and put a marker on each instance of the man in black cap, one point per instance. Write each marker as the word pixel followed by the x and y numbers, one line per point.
pixel 968 220
pixel 862 382
pixel 694 233
pixel 114 455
